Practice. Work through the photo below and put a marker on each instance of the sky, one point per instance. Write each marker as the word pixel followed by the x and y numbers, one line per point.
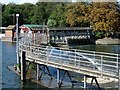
pixel 18 1
pixel 33 1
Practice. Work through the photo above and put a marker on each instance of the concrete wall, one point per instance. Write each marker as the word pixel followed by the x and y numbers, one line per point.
pixel 8 33
pixel 108 41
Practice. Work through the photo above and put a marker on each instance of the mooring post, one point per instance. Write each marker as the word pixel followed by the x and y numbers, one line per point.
pixel 37 71
pixel 23 66
pixel 85 84
pixel 58 77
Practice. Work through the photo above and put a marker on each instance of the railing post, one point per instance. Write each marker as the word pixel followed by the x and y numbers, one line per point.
pixel 79 60
pixel 75 57
pixel 94 56
pixel 85 84
pixel 60 56
pixel 118 78
pixel 46 53
pixel 94 59
pixel 101 65
pixel 117 65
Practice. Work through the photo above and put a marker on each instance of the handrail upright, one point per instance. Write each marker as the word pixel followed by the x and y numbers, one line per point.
pixel 117 64
pixel 75 57
pixel 79 61
pixel 101 65
pixel 94 56
pixel 61 57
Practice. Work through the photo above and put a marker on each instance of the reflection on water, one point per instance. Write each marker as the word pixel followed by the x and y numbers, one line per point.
pixel 100 48
pixel 11 80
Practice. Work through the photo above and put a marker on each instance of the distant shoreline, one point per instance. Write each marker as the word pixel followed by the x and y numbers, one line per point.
pixel 108 41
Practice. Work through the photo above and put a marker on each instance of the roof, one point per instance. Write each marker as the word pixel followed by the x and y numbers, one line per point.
pixel 10 27
pixel 71 28
pixel 34 25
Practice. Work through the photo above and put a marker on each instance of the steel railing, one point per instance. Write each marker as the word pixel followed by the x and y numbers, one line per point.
pixel 75 60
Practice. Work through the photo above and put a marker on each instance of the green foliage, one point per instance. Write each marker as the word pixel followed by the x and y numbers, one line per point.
pixel 99 34
pixel 58 15
pixel 51 23
pixel 103 17
pixel 41 12
pixel 77 14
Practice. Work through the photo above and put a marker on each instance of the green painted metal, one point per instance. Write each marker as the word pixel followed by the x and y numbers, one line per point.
pixel 34 25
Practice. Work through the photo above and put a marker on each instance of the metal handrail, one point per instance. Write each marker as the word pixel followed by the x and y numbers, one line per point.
pixel 100 62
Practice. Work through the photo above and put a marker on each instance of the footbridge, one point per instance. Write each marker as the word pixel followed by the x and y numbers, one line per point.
pixel 89 63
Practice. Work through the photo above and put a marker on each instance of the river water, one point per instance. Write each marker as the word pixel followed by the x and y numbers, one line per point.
pixel 11 80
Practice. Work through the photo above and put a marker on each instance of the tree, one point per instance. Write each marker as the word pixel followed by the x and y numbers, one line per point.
pixel 77 14
pixel 51 23
pixel 58 15
pixel 8 14
pixel 26 10
pixel 103 16
pixel 41 12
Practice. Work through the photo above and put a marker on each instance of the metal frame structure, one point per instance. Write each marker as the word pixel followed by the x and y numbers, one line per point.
pixel 89 63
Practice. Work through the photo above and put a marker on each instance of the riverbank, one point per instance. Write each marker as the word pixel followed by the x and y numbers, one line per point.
pixel 108 41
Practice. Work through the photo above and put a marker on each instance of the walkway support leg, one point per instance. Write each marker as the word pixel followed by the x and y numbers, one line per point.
pixel 97 84
pixel 48 71
pixel 70 78
pixel 37 71
pixel 85 84
pixel 58 77
pixel 93 78
pixel 23 66
pixel 60 82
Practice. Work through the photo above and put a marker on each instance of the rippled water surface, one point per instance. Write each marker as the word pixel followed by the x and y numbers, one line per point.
pixel 11 80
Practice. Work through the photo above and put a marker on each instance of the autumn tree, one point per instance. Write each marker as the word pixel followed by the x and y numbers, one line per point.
pixel 77 14
pixel 105 17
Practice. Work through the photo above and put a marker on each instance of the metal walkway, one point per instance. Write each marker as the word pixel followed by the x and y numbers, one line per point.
pixel 97 64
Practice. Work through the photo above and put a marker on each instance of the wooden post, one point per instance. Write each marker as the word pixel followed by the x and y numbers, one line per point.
pixel 23 66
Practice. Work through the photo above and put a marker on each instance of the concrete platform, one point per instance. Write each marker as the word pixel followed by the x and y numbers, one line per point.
pixel 49 83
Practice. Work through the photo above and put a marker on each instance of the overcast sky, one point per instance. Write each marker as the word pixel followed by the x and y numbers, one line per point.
pixel 34 1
